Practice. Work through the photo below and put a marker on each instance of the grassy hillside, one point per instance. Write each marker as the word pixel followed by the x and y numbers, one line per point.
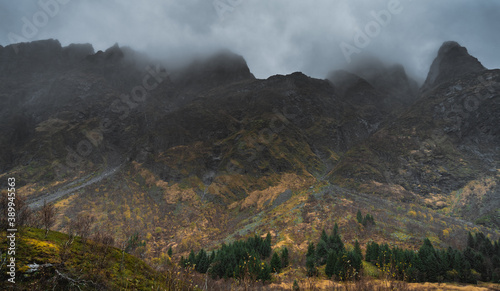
pixel 70 264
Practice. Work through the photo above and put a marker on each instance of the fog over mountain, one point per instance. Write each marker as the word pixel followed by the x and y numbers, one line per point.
pixel 274 37
pixel 252 145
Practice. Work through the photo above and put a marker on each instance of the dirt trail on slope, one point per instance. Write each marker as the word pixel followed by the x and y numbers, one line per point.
pixel 49 197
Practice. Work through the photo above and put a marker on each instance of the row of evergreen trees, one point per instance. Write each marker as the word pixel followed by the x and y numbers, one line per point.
pixel 484 256
pixel 239 259
pixel 426 265
pixel 330 251
pixel 479 261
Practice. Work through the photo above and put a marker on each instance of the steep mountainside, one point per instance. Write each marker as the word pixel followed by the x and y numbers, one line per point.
pixel 204 154
pixel 453 61
pixel 443 145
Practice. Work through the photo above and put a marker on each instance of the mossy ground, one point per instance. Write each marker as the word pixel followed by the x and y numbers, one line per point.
pixel 91 265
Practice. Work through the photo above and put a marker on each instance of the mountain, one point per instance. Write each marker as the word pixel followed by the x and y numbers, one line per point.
pixel 397 88
pixel 195 156
pixel 442 145
pixel 452 62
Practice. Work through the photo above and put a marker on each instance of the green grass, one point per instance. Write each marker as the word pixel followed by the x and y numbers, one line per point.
pixel 91 265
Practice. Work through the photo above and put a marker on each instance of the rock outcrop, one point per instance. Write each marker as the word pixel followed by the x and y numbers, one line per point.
pixel 452 62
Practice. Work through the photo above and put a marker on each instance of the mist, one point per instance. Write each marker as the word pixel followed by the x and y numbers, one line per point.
pixel 274 37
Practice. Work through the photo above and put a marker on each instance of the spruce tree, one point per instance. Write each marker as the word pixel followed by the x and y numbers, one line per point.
pixel 470 240
pixel 372 252
pixel 357 249
pixel 331 260
pixel 275 263
pixel 354 261
pixel 429 263
pixel 311 266
pixel 321 252
pixel 204 262
pixel 284 257
pixel 267 246
pixel 335 230
pixel 359 217
pixel 192 258
pixel 466 274
pixel 311 250
pixel 323 236
pixel 369 252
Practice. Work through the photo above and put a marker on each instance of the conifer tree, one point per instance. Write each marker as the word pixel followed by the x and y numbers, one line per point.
pixel 267 246
pixel 192 258
pixel 311 250
pixel 324 237
pixel 429 262
pixel 284 257
pixel 354 261
pixel 321 252
pixel 357 249
pixel 265 273
pixel 275 263
pixel 331 260
pixel 372 252
pixel 335 230
pixel 311 266
pixel 359 217
pixel 470 240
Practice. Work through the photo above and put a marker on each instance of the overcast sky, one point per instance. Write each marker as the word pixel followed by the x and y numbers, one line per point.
pixel 274 36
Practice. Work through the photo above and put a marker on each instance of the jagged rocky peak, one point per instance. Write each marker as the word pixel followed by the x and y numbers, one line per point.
pixel 221 67
pixel 41 54
pixel 390 79
pixel 343 77
pixel 34 50
pixel 225 62
pixel 345 81
pixel 355 90
pixel 43 51
pixel 113 54
pixel 78 51
pixel 368 74
pixel 452 61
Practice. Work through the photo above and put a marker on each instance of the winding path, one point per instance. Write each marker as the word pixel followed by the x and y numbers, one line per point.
pixel 49 197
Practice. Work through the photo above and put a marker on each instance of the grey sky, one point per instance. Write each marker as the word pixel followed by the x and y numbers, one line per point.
pixel 274 36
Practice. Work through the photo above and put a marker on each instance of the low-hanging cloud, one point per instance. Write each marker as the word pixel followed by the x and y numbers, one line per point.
pixel 275 37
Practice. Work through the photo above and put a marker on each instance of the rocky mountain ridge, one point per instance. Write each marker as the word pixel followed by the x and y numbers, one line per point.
pixel 452 62
pixel 208 152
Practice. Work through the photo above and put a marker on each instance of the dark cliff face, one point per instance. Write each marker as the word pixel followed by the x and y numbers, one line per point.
pixel 218 69
pixel 41 56
pixel 43 82
pixel 390 88
pixel 214 117
pixel 451 62
pixel 442 144
pixel 357 91
pixel 212 101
